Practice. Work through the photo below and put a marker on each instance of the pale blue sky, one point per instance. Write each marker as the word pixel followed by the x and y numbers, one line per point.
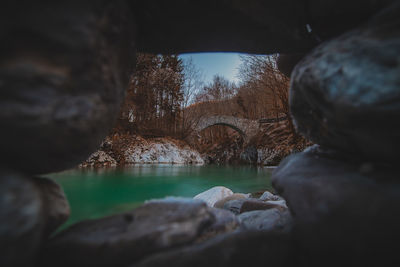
pixel 225 64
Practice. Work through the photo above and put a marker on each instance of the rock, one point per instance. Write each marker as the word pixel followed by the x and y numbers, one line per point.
pixel 269 220
pixel 234 206
pixel 22 222
pixel 99 159
pixel 213 195
pixel 337 205
pixel 244 248
pixel 281 204
pixel 255 204
pixel 272 27
pixel 161 151
pixel 55 204
pixel 225 222
pixel 266 196
pixel 287 62
pixel 220 203
pixel 249 155
pixel 269 157
pixel 125 238
pixel 345 94
pixel 60 92
pixel 244 205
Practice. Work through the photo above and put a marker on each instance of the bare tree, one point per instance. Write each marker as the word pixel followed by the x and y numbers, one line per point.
pixel 193 82
pixel 260 76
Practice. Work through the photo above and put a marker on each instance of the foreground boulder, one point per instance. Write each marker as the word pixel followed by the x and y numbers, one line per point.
pixel 220 203
pixel 125 238
pixel 225 222
pixel 244 205
pixel 353 210
pixel 55 204
pixel 245 248
pixel 22 220
pixel 268 220
pixel 60 92
pixel 345 93
pixel 213 195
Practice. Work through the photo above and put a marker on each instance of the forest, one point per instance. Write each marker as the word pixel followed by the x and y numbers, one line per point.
pixel 168 96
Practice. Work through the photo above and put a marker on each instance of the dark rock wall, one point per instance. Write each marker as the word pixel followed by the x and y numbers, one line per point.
pixel 345 93
pixel 64 70
pixel 250 26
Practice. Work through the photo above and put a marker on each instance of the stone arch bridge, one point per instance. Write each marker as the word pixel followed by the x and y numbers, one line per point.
pixel 245 127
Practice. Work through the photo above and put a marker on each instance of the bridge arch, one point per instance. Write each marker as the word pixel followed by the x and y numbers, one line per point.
pixel 240 131
pixel 246 128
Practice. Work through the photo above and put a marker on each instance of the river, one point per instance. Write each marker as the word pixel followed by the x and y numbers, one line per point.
pixel 96 193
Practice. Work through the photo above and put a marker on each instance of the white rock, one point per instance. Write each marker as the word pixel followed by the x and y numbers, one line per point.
pixel 212 195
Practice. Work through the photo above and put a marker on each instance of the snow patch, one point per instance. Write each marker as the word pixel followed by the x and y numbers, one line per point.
pixel 166 152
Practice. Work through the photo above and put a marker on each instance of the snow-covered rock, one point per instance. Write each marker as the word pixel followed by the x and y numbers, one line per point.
pixel 99 159
pixel 212 195
pixel 166 152
pixel 134 149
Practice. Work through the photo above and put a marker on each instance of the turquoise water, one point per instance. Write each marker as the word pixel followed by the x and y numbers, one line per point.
pixel 96 193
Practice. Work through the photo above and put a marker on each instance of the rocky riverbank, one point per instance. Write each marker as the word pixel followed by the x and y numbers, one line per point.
pixel 133 149
pixel 274 142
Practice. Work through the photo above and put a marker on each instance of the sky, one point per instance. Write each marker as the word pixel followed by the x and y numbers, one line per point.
pixel 224 64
